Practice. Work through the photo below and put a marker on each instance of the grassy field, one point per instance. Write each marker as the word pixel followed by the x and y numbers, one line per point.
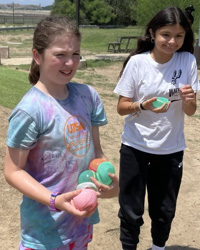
pixel 15 78
pixel 93 40
pixel 96 40
pixel 15 82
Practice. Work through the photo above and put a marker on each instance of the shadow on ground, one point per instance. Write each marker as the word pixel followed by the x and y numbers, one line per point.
pixel 179 248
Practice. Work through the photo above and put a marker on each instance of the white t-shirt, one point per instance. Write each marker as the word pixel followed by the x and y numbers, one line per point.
pixel 142 79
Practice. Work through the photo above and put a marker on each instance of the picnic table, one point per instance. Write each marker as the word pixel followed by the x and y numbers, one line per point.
pixel 116 46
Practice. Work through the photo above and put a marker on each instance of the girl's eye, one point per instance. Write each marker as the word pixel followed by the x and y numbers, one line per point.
pixel 76 54
pixel 59 55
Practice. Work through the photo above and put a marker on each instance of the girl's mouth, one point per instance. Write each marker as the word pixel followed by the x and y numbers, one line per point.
pixel 66 72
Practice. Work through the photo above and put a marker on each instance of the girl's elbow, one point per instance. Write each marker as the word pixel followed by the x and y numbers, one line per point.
pixel 6 175
pixel 120 111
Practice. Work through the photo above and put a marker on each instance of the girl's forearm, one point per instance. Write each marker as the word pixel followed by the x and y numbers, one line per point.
pixel 28 186
pixel 18 178
pixel 189 108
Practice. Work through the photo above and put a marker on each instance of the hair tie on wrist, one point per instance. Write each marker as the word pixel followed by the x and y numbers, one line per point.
pixel 52 206
pixel 141 106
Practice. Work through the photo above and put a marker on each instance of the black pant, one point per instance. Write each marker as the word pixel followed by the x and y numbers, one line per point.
pixel 161 175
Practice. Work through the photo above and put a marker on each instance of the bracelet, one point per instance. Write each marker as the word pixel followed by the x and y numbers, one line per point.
pixel 129 107
pixel 141 106
pixel 137 112
pixel 52 206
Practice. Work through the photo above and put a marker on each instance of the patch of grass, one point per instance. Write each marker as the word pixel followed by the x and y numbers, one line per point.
pixel 93 40
pixel 96 40
pixel 196 116
pixel 100 63
pixel 112 95
pixel 107 85
pixel 14 78
pixel 19 67
pixel 14 84
pixel 19 42
pixel 88 78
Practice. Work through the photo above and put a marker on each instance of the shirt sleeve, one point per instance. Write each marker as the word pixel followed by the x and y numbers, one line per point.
pixel 194 75
pixel 125 86
pixel 22 130
pixel 98 115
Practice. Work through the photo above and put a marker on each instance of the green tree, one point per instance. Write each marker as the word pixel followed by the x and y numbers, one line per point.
pixel 64 7
pixel 147 9
pixel 125 11
pixel 91 11
pixel 98 11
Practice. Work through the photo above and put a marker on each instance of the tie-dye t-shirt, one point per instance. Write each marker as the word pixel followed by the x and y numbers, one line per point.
pixel 59 137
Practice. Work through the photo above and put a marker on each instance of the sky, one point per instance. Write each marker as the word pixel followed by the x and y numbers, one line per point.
pixel 26 2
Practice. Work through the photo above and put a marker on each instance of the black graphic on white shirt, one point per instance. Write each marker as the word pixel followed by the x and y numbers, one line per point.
pixel 175 76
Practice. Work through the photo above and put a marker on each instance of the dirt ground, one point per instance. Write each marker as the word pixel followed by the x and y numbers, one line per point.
pixel 185 233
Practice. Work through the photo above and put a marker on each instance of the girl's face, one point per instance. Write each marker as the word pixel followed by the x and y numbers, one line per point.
pixel 168 40
pixel 60 61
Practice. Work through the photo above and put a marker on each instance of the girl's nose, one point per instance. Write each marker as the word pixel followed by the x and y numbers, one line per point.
pixel 172 40
pixel 69 61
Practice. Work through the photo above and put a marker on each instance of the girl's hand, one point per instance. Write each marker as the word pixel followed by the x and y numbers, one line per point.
pixel 187 94
pixel 188 98
pixel 63 202
pixel 148 105
pixel 105 191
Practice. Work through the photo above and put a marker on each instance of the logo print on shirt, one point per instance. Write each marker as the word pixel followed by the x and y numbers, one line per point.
pixel 175 76
pixel 77 136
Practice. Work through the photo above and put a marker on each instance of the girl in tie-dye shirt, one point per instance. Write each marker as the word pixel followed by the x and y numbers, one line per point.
pixel 52 137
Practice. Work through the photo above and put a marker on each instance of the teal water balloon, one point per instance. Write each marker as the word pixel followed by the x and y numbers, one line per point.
pixel 85 176
pixel 160 101
pixel 102 172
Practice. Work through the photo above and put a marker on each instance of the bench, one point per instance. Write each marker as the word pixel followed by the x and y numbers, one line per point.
pixel 114 47
pixel 117 46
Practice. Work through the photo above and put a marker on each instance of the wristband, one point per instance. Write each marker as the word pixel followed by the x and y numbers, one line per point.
pixel 137 112
pixel 52 206
pixel 141 106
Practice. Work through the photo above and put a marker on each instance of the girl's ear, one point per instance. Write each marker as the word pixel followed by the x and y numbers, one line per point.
pixel 36 56
pixel 151 33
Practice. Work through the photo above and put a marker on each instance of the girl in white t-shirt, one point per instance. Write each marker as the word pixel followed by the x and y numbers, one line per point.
pixel 153 138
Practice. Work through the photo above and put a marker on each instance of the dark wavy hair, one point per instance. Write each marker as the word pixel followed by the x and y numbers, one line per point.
pixel 165 17
pixel 45 33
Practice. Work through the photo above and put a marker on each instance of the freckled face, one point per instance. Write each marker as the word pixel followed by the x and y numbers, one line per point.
pixel 168 39
pixel 60 61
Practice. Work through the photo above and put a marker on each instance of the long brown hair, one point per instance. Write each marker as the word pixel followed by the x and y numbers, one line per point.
pixel 45 33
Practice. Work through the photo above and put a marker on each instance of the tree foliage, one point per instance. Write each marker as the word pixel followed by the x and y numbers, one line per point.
pixel 147 9
pixel 98 11
pixel 64 7
pixel 121 12
pixel 91 11
pixel 124 11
